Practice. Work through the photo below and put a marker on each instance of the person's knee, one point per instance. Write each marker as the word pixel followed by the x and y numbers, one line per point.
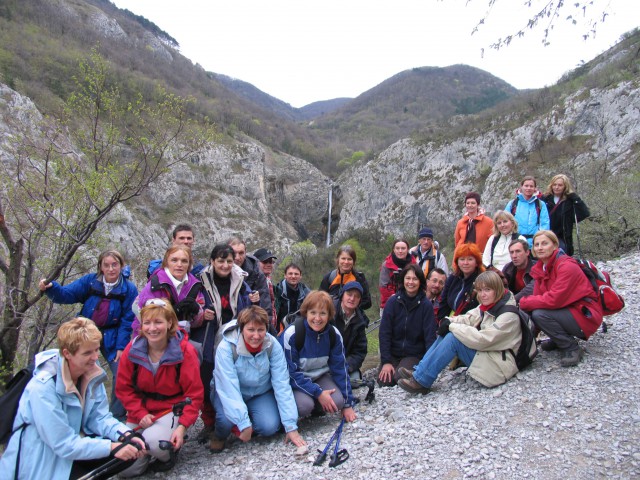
pixel 267 425
pixel 338 399
pixel 305 404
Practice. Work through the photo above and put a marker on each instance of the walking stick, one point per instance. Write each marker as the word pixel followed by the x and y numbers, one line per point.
pixel 339 456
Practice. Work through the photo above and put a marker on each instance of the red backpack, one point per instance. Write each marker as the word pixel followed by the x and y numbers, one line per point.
pixel 610 300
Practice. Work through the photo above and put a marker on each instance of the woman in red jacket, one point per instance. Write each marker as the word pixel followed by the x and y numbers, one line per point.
pixel 391 268
pixel 158 369
pixel 564 304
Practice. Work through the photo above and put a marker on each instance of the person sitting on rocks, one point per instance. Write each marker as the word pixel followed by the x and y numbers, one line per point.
pixel 563 305
pixel 318 370
pixel 289 295
pixel 407 328
pixel 427 253
pixel 351 324
pixel 518 270
pixel 435 285
pixel 482 339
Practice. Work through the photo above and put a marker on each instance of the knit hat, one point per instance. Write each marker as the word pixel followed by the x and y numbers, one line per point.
pixel 425 232
pixel 351 286
pixel 263 254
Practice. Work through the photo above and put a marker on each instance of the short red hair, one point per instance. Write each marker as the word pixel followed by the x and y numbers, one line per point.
pixel 467 250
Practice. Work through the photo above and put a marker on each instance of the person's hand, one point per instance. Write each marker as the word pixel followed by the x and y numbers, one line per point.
pixel 177 437
pixel 118 355
pixel 294 437
pixel 443 329
pixel 349 414
pixel 327 403
pixel 386 373
pixel 43 285
pixel 187 308
pixel 254 297
pixel 146 421
pixel 209 314
pixel 129 452
pixel 245 435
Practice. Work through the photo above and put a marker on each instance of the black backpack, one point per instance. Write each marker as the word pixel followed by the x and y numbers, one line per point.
pixel 301 333
pixel 528 350
pixel 9 402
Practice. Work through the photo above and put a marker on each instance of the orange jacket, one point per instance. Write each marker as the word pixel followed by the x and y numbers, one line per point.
pixel 484 229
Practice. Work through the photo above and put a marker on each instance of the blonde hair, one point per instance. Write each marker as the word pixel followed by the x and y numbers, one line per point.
pixel 567 185
pixel 167 312
pixel 76 332
pixel 504 215
pixel 492 281
pixel 547 233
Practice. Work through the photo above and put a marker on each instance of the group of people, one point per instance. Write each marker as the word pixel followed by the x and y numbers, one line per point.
pixel 250 356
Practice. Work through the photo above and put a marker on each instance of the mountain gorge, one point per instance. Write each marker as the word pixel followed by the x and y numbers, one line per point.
pixel 427 135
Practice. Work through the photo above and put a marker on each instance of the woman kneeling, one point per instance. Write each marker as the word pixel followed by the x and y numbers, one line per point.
pixel 483 339
pixel 250 387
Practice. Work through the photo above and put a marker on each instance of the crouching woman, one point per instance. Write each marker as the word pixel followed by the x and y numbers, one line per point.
pixel 159 369
pixel 482 339
pixel 318 370
pixel 250 387
pixel 67 429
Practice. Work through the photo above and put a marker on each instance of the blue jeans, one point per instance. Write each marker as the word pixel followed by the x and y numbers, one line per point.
pixel 115 405
pixel 263 412
pixel 443 350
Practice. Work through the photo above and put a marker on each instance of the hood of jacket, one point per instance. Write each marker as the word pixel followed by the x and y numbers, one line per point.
pixel 231 333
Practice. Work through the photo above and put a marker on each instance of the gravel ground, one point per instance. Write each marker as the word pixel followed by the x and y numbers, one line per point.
pixel 547 422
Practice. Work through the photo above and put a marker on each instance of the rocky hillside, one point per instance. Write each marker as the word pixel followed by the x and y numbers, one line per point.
pixel 415 182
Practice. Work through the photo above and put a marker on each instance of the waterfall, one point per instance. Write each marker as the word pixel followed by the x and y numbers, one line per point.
pixel 330 202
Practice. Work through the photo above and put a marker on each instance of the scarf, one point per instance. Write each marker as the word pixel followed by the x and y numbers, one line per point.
pixel 401 263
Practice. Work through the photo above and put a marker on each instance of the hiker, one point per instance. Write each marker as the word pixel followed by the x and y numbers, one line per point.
pixel 69 430
pixel 565 208
pixel 266 260
pixel 318 370
pixel 408 327
pixel 250 389
pixel 564 304
pixel 289 295
pixel 505 230
pixel 391 268
pixel 351 323
pixel 427 253
pixel 345 272
pixel 158 369
pixel 482 339
pixel 435 285
pixel 226 295
pixel 528 209
pixel 255 278
pixel 458 296
pixel 175 283
pixel 474 226
pixel 518 270
pixel 107 298
pixel 182 234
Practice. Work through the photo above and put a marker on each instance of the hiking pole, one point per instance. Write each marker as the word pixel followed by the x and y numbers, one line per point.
pixel 106 467
pixel 339 456
pixel 322 454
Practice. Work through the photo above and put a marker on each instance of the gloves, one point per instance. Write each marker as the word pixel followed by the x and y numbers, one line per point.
pixel 187 309
pixel 443 329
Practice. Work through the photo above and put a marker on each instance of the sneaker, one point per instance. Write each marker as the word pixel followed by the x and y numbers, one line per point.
pixel 548 345
pixel 571 358
pixel 216 445
pixel 410 385
pixel 405 373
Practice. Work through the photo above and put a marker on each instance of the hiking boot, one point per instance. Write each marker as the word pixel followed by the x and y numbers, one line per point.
pixel 405 373
pixel 159 466
pixel 548 345
pixel 571 358
pixel 410 385
pixel 204 435
pixel 216 445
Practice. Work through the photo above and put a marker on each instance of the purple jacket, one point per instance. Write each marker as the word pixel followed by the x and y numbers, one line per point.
pixel 167 286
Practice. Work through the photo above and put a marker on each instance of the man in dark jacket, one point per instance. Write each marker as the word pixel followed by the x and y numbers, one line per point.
pixel 255 279
pixel 182 235
pixel 351 324
pixel 517 270
pixel 289 295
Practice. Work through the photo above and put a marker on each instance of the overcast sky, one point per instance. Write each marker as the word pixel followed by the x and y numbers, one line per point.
pixel 302 51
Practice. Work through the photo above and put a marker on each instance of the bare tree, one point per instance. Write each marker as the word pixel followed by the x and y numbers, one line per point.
pixel 68 173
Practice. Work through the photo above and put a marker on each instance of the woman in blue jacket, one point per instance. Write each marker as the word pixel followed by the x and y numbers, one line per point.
pixel 69 430
pixel 318 370
pixel 529 209
pixel 106 297
pixel 250 388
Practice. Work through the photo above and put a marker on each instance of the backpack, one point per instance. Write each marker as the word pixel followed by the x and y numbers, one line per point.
pixel 610 300
pixel 528 349
pixel 514 206
pixel 301 333
pixel 9 402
